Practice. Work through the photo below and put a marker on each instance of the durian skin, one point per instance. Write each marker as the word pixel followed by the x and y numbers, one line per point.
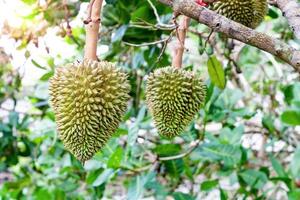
pixel 88 100
pixel 247 12
pixel 174 96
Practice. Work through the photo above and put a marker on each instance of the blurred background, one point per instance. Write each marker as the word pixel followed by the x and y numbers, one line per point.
pixel 249 131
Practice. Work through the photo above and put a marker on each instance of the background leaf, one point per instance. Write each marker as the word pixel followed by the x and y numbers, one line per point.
pixel 291 117
pixel 216 72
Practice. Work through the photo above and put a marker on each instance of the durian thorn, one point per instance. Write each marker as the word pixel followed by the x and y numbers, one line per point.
pixel 92 29
pixel 179 48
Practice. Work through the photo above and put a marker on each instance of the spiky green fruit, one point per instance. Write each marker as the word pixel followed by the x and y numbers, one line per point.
pixel 174 96
pixel 247 12
pixel 88 99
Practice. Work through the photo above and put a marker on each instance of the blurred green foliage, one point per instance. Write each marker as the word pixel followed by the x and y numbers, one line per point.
pixel 264 102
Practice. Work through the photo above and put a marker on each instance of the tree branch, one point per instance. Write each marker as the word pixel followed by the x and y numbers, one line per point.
pixel 291 11
pixel 236 31
pixel 92 29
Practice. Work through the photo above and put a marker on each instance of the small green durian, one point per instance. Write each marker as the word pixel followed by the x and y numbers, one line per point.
pixel 247 12
pixel 174 96
pixel 88 100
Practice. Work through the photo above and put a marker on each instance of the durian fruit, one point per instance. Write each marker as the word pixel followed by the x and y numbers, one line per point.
pixel 88 99
pixel 174 96
pixel 247 12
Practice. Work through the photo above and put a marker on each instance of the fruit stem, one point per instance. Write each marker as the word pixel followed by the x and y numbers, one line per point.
pixel 179 48
pixel 92 29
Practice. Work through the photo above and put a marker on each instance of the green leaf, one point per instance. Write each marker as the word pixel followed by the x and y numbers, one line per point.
pixel 167 149
pixel 223 195
pixel 273 14
pixel 27 54
pixel 103 177
pixel 47 76
pixel 51 64
pixel 38 65
pixel 115 159
pixel 291 92
pixel 254 178
pixel 209 185
pixel 118 35
pixel 159 190
pixel 29 2
pixel 137 186
pixel 42 193
pixel 134 127
pixel 291 117
pixel 174 167
pixel 93 175
pixel 229 154
pixel 294 195
pixel 231 136
pixel 110 1
pixel 216 72
pixel 13 119
pixel 182 196
pixel 277 167
pixel 268 123
pixel 295 164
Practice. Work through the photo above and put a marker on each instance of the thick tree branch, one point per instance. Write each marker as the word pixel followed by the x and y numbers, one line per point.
pixel 291 10
pixel 236 31
pixel 92 29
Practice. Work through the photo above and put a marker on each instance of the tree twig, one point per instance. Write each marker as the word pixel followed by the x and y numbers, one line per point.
pixel 236 31
pixel 194 145
pixel 147 43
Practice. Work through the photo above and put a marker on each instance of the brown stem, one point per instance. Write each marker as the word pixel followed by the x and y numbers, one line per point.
pixel 92 29
pixel 179 48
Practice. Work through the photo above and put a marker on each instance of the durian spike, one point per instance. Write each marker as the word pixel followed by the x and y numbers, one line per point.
pixel 174 96
pixel 92 29
pixel 247 12
pixel 88 100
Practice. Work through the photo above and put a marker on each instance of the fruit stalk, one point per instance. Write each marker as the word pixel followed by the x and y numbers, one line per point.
pixel 92 29
pixel 179 48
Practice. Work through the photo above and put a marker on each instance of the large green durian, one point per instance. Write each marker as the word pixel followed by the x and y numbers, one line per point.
pixel 174 96
pixel 247 12
pixel 88 99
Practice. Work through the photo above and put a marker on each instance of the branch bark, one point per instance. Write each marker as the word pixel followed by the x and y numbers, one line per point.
pixel 179 48
pixel 92 29
pixel 291 11
pixel 236 31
